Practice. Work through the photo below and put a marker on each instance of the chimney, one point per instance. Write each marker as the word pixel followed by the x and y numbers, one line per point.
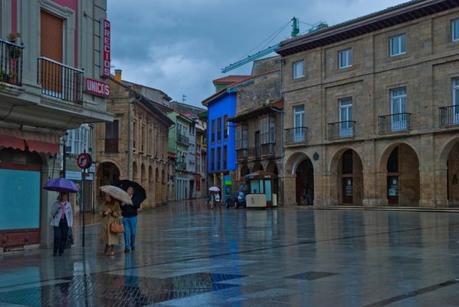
pixel 118 74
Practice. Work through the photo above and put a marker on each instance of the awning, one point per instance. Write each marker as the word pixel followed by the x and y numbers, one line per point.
pixel 42 147
pixel 11 142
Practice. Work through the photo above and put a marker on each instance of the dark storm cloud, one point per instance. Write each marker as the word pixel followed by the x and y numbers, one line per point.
pixel 179 46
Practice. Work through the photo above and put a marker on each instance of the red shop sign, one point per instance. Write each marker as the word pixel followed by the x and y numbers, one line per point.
pixel 107 48
pixel 97 88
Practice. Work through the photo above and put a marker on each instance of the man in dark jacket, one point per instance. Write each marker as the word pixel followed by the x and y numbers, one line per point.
pixel 129 213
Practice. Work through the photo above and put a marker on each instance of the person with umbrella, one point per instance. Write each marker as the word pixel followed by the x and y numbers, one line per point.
pixel 111 216
pixel 129 213
pixel 61 212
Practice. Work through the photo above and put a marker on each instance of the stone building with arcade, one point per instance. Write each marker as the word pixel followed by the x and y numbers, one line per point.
pixel 372 109
pixel 134 145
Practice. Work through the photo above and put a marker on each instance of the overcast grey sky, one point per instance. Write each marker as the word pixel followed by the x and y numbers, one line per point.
pixel 179 46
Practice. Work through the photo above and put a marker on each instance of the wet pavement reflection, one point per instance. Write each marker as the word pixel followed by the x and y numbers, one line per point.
pixel 189 255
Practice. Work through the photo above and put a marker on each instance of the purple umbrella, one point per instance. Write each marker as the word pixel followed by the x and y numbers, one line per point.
pixel 61 185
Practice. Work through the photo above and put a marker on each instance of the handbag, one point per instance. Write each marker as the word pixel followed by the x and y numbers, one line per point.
pixel 116 227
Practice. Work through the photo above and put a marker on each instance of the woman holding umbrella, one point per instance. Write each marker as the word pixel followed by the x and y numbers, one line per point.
pixel 62 220
pixel 61 212
pixel 111 217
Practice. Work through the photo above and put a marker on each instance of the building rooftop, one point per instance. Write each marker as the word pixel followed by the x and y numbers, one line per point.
pixel 389 17
pixel 228 80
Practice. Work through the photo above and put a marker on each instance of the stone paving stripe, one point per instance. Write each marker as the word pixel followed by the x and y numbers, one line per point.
pixel 413 293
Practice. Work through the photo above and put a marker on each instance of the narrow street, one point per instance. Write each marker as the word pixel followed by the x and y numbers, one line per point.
pixel 188 255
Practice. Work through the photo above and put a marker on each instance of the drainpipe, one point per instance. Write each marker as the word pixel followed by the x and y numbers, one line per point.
pixel 129 159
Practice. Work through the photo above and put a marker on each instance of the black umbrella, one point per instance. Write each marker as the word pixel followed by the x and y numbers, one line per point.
pixel 139 192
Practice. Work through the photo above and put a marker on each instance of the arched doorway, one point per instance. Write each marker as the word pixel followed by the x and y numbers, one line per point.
pixel 149 189
pixel 402 175
pixel 349 176
pixel 107 173
pixel 453 176
pixel 134 172
pixel 143 176
pixel 257 167
pixel 305 183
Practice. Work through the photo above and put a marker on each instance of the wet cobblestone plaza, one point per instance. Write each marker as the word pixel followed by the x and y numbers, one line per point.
pixel 188 255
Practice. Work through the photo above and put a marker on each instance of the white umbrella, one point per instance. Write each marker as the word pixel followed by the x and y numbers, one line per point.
pixel 214 189
pixel 117 193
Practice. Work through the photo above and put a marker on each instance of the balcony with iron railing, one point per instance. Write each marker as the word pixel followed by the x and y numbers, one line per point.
pixel 11 59
pixel 341 130
pixel 60 81
pixel 296 136
pixel 394 123
pixel 449 116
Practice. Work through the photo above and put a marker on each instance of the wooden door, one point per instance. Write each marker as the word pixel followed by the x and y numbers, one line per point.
pixel 51 46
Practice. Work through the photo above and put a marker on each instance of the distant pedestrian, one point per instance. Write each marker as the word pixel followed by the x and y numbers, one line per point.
pixel 111 216
pixel 129 213
pixel 62 220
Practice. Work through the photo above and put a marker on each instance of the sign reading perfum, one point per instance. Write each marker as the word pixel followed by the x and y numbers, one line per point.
pixel 107 49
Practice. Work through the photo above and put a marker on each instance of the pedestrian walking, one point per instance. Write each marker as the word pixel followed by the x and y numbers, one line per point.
pixel 111 223
pixel 62 220
pixel 129 213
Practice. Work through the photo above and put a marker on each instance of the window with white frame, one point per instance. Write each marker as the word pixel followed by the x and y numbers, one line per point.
pixel 399 119
pixel 298 69
pixel 345 117
pixel 298 123
pixel 78 140
pixel 345 58
pixel 397 45
pixel 455 30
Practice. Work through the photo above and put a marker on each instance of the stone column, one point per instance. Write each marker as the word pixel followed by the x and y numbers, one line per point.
pixel 441 187
pixel 289 197
pixel 371 183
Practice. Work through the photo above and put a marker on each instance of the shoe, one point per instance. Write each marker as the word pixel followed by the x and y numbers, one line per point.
pixel 126 250
pixel 133 248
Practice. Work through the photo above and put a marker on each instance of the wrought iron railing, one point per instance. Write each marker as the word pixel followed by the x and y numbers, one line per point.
pixel 296 136
pixel 60 81
pixel 391 123
pixel 111 145
pixel 11 63
pixel 341 130
pixel 449 116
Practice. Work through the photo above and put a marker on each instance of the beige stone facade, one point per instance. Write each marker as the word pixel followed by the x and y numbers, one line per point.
pixel 258 123
pixel 134 146
pixel 383 129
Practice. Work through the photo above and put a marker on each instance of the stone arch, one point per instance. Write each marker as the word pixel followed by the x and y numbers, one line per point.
pixel 143 176
pixel 299 180
pixel 257 167
pixel 400 180
pixel 448 171
pixel 272 168
pixel 150 188
pixel 293 161
pixel 135 172
pixel 346 177
pixel 107 173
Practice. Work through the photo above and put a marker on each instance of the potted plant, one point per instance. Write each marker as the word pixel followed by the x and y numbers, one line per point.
pixel 15 52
